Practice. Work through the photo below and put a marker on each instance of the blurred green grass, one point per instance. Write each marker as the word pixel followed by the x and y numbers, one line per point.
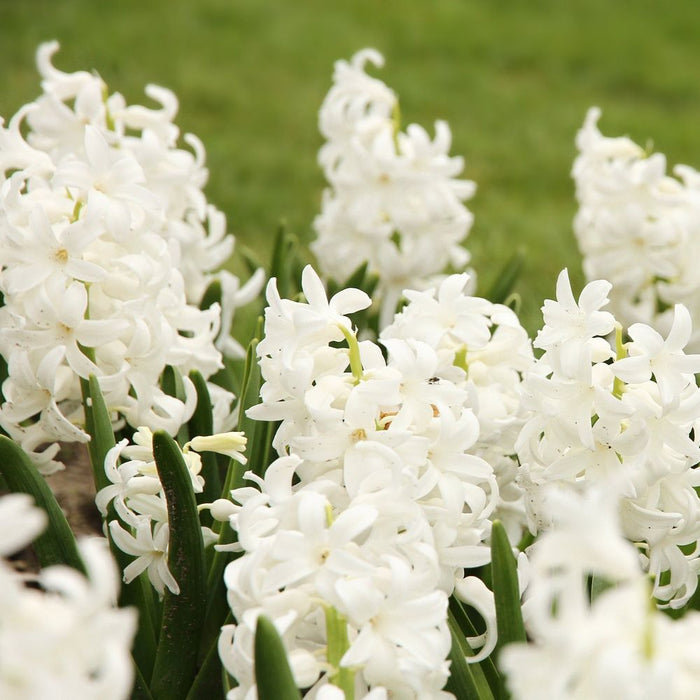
pixel 513 78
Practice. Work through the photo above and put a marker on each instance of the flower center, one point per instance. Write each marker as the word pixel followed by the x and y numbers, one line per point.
pixel 61 255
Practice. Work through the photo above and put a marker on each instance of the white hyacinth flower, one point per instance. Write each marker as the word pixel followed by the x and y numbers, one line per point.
pixel 615 645
pixel 637 227
pixel 394 199
pixel 65 638
pixel 622 417
pixel 107 246
pixel 383 493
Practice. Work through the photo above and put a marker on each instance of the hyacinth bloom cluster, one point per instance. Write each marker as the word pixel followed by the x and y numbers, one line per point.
pixel 638 227
pixel 63 638
pixel 623 414
pixel 107 245
pixel 611 644
pixel 379 499
pixel 483 348
pixel 394 200
pixel 136 493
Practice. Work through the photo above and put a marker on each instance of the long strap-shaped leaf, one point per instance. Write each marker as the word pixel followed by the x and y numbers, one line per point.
pixel 467 681
pixel 176 659
pixel 506 591
pixel 466 620
pixel 209 680
pixel 99 426
pixel 272 673
pixel 173 385
pixel 202 423
pixel 506 278
pixel 56 545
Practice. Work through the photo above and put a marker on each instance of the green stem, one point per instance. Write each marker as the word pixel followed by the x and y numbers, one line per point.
pixel 621 352
pixel 338 644
pixel 461 359
pixel 354 347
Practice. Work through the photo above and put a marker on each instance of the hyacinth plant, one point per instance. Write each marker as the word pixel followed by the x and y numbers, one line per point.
pixel 391 490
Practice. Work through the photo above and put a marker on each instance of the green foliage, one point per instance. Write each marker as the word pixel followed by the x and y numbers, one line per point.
pixel 506 592
pixel 176 662
pixel 467 681
pixel 202 423
pixel 99 427
pixel 56 545
pixel 272 673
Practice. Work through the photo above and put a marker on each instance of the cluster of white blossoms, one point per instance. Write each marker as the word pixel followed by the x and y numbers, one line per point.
pixel 638 227
pixel 394 199
pixel 612 644
pixel 481 347
pixel 107 245
pixel 136 493
pixel 379 499
pixel 626 415
pixel 63 638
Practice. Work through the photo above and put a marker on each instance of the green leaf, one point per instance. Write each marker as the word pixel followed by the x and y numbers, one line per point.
pixel 466 681
pixel 4 373
pixel 357 280
pixel 261 454
pixel 140 690
pixel 227 376
pixel 250 382
pixel 598 585
pixel 171 381
pixel 249 258
pixel 506 592
pixel 217 607
pixel 284 262
pixel 506 279
pixel 172 384
pixel 259 434
pixel 463 618
pixel 209 680
pixel 99 426
pixel 212 295
pixel 202 423
pixel 56 545
pixel 272 673
pixel 176 659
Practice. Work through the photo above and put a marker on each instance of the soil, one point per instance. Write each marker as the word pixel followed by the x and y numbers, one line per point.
pixel 74 489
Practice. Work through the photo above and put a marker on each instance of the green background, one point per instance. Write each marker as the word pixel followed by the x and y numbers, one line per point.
pixel 513 78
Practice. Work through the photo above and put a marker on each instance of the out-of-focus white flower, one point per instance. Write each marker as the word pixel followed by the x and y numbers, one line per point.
pixel 617 645
pixel 65 639
pixel 20 522
pixel 394 199
pixel 637 227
